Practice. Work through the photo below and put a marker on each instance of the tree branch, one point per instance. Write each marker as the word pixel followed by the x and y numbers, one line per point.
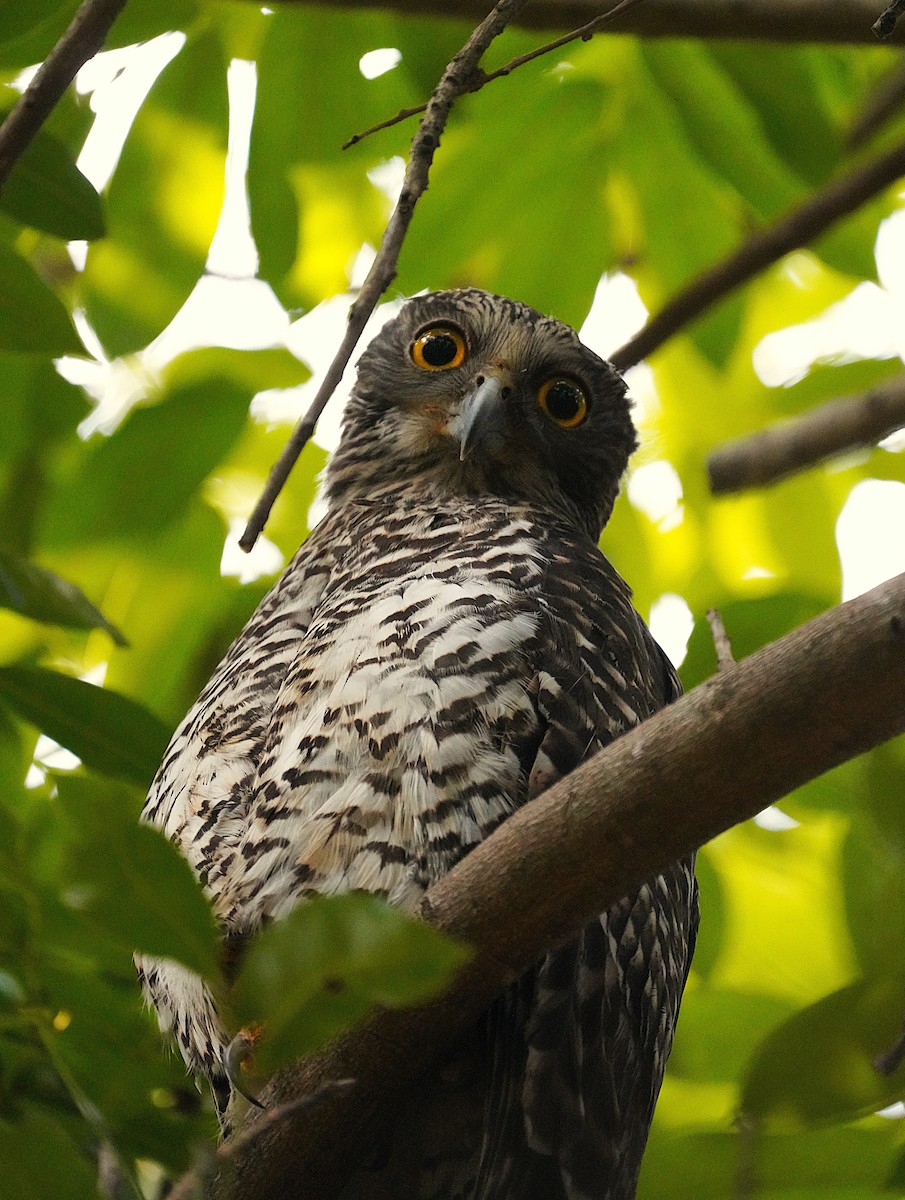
pixel 831 428
pixel 765 20
pixel 456 80
pixel 79 43
pixel 798 228
pixel 584 32
pixel 828 691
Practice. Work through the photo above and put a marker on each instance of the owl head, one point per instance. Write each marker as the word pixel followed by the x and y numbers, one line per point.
pixel 466 393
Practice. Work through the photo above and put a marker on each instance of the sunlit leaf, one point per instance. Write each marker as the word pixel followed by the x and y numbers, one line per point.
pixel 331 961
pixel 131 880
pixel 110 733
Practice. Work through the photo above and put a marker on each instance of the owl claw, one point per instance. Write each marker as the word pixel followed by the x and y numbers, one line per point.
pixel 236 1058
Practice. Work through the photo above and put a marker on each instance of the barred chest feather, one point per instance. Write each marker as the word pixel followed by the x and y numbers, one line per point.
pixel 379 714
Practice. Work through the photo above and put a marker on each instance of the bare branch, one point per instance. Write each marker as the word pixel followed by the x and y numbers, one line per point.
pixel 585 33
pixel 690 772
pixel 79 43
pixel 724 656
pixel 847 21
pixel 457 79
pixel 798 228
pixel 831 428
pixel 885 24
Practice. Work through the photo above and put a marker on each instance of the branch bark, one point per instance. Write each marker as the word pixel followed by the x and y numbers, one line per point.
pixel 832 428
pixel 797 228
pixel 764 20
pixel 80 42
pixel 828 691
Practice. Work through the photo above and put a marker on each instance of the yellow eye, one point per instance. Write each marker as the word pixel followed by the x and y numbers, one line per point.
pixel 439 349
pixel 564 402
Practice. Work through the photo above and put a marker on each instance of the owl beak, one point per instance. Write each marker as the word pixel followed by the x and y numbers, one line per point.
pixel 482 415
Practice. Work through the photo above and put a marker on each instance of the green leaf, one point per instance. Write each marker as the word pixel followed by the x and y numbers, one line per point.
pixel 131 880
pixel 41 1160
pixel 818 1065
pixel 28 31
pixel 47 191
pixel 327 964
pixel 42 595
pixel 142 478
pixel 32 319
pixel 110 733
pixel 721 125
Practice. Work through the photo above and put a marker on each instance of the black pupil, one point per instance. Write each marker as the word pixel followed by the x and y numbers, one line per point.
pixel 439 349
pixel 563 401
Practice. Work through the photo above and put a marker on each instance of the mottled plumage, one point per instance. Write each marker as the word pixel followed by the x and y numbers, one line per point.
pixel 446 644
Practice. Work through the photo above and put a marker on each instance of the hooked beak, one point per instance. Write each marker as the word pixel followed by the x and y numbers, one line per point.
pixel 482 414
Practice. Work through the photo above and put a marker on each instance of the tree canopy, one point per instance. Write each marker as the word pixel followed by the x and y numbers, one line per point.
pixel 152 362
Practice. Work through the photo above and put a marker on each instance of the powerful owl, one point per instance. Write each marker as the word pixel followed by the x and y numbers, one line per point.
pixel 447 643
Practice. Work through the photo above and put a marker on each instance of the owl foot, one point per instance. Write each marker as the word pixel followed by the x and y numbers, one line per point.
pixel 237 1058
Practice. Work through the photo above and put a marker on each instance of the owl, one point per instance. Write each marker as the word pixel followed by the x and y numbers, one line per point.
pixel 447 643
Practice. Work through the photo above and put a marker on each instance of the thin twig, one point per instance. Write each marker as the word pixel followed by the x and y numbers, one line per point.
pixel 888 19
pixel 584 32
pixel 829 429
pixel 799 227
pixel 724 656
pixel 456 80
pixel 80 42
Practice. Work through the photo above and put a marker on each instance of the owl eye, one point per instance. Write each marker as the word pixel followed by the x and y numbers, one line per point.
pixel 439 349
pixel 564 402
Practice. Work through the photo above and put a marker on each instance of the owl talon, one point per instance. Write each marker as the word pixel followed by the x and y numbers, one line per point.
pixel 236 1057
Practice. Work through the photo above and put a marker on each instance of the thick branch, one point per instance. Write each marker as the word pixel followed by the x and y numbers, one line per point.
pixel 81 41
pixel 764 20
pixel 457 79
pixel 825 693
pixel 798 228
pixel 791 446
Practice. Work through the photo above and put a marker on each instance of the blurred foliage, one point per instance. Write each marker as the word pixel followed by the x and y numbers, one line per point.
pixel 121 473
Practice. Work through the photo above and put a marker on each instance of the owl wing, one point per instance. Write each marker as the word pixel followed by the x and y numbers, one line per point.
pixel 202 790
pixel 579 1045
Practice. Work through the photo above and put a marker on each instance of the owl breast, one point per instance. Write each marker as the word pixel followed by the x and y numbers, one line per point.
pixel 403 732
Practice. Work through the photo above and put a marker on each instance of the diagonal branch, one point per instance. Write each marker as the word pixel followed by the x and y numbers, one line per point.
pixel 79 43
pixel 797 228
pixel 690 772
pixel 828 429
pixel 457 79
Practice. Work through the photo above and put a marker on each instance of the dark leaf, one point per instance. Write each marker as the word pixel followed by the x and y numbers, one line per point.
pixel 47 191
pixel 32 318
pixel 44 596
pixel 109 732
pixel 818 1065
